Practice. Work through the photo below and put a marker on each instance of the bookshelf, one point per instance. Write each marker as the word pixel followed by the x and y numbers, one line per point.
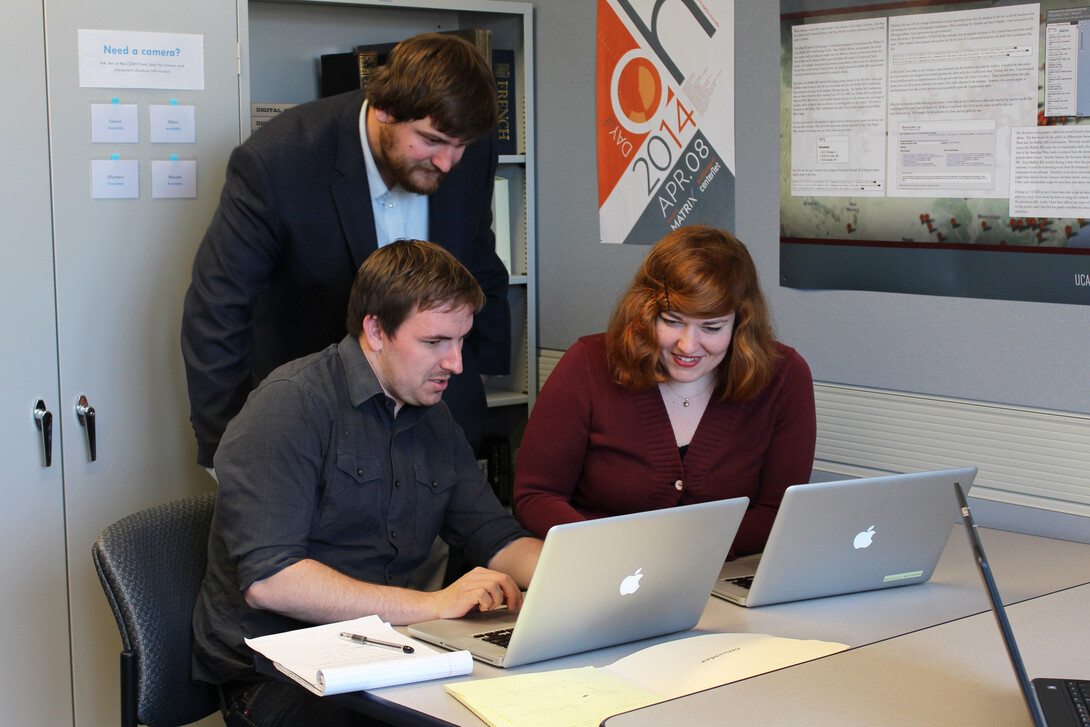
pixel 280 44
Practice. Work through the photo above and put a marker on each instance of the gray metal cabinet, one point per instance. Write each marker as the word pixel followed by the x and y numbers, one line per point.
pixel 90 305
pixel 36 688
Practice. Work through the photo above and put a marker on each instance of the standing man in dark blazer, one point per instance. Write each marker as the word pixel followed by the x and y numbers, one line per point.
pixel 319 188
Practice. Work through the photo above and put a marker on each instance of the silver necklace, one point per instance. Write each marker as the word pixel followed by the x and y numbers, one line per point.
pixel 685 399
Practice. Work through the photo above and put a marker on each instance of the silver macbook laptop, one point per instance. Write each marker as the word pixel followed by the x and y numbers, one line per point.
pixel 1052 702
pixel 846 536
pixel 603 582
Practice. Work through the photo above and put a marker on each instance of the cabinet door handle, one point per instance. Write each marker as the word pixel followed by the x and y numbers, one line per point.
pixel 86 415
pixel 43 419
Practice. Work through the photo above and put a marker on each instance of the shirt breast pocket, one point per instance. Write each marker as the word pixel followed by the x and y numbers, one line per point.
pixel 348 512
pixel 434 489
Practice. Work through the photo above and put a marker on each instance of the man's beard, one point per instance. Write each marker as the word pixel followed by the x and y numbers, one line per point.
pixel 402 171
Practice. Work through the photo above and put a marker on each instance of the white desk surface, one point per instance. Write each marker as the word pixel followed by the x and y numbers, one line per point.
pixel 956 673
pixel 1025 567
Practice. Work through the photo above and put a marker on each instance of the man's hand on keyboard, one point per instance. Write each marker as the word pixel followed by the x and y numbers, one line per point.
pixel 481 588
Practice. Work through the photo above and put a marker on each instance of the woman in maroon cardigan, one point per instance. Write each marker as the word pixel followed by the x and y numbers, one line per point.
pixel 686 398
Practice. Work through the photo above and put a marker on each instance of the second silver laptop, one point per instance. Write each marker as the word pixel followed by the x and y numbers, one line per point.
pixel 851 535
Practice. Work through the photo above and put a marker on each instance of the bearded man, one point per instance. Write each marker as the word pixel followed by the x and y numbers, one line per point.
pixel 313 192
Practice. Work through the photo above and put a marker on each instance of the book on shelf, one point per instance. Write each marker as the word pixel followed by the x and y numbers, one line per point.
pixel 503 69
pixel 501 220
pixel 321 660
pixel 587 695
pixel 381 51
pixel 342 72
pixel 260 112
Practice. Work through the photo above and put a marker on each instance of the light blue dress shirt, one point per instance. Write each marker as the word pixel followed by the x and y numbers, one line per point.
pixel 399 213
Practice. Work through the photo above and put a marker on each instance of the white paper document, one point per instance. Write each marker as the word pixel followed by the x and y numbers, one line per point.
pixel 1050 172
pixel 684 666
pixel 838 108
pixel 173 179
pixel 135 59
pixel 915 105
pixel 115 179
pixel 958 82
pixel 173 123
pixel 114 123
pixel 585 696
pixel 323 662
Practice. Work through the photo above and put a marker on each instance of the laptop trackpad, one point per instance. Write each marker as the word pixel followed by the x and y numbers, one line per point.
pixel 461 631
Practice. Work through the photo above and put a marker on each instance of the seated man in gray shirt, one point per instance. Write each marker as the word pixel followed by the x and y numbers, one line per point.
pixel 336 477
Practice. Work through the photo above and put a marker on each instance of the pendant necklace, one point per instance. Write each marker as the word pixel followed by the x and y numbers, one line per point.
pixel 685 399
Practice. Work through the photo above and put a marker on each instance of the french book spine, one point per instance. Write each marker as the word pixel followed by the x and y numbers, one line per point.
pixel 503 68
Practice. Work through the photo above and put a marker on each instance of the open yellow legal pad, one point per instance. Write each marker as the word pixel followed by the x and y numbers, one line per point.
pixel 323 662
pixel 584 697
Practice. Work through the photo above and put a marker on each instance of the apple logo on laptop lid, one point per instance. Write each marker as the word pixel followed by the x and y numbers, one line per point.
pixel 864 539
pixel 631 583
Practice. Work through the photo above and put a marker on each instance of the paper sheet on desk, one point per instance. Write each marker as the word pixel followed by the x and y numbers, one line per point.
pixel 684 666
pixel 561 698
pixel 584 697
pixel 324 663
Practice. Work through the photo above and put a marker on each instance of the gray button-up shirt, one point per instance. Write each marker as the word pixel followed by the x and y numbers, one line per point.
pixel 316 466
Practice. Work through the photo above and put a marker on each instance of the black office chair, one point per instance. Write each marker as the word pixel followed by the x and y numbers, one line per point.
pixel 151 564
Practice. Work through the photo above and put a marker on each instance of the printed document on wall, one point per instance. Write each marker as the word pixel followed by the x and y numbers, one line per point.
pixel 135 59
pixel 838 108
pixel 958 82
pixel 936 148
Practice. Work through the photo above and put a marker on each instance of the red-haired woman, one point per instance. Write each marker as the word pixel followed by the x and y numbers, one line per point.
pixel 687 397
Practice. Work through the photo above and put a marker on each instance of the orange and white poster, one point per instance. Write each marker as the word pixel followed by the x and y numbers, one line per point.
pixel 665 87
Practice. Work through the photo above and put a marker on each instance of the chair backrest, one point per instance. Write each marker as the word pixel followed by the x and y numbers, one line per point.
pixel 151 564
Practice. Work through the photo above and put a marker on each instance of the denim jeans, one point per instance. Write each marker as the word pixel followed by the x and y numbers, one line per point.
pixel 282 704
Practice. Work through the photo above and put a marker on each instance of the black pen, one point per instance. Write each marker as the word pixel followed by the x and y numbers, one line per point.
pixel 361 639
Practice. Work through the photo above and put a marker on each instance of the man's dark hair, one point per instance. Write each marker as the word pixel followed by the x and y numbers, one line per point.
pixel 406 276
pixel 441 77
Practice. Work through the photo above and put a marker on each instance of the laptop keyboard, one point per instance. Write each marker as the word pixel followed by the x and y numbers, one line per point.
pixel 1079 692
pixel 1061 699
pixel 741 582
pixel 500 637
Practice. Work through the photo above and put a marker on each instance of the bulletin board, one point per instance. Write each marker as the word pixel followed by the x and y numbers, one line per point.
pixel 937 149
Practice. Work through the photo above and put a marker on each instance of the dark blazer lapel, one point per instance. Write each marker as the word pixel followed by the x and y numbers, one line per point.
pixel 453 211
pixel 351 193
pixel 447 225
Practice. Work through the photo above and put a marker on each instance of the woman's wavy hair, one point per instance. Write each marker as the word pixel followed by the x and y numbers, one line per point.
pixel 700 272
